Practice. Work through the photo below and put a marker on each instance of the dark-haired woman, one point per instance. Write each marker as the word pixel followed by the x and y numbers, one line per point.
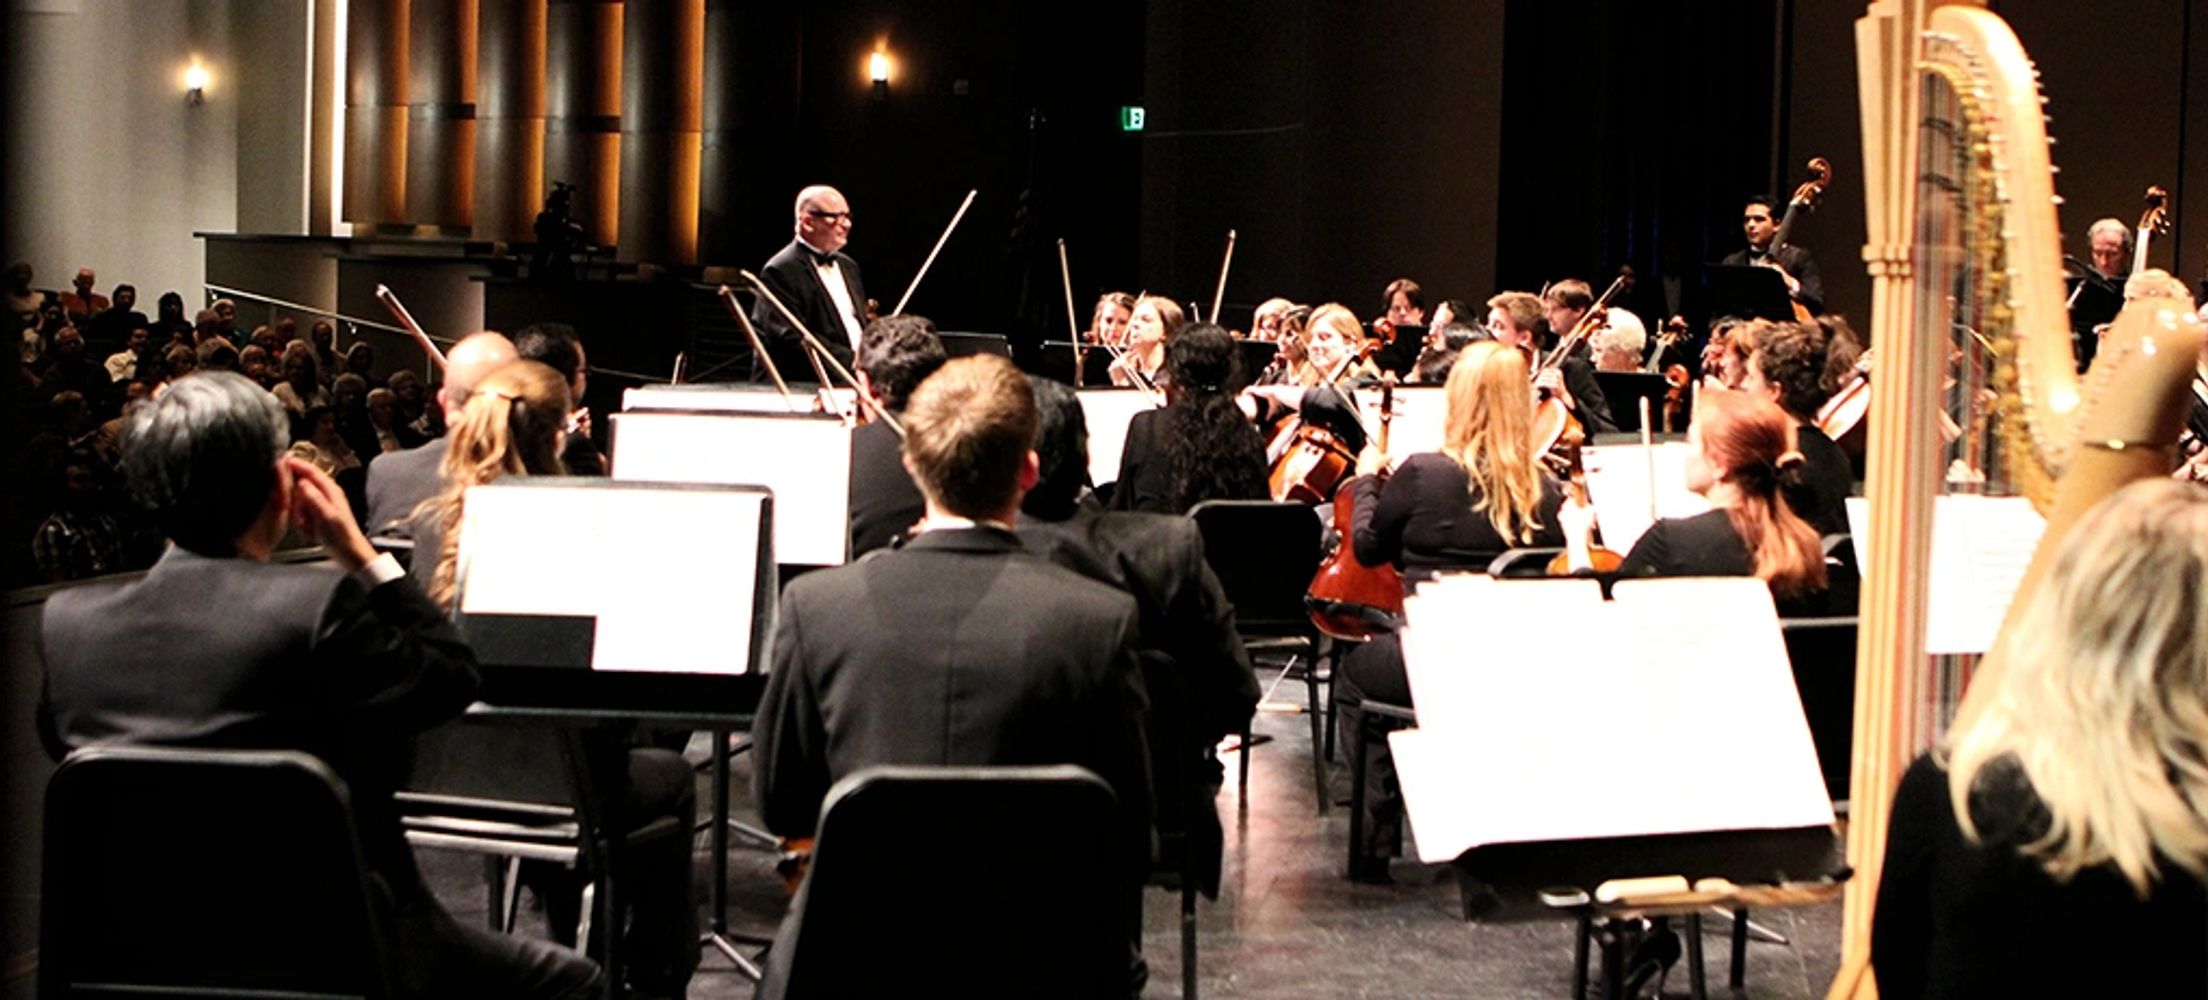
pixel 1200 446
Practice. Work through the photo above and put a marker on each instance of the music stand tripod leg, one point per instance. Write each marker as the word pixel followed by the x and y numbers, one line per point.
pixel 718 935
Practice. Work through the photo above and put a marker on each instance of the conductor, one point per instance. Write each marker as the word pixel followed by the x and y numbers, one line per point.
pixel 817 281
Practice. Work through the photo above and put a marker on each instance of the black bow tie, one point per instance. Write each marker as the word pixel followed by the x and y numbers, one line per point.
pixel 818 258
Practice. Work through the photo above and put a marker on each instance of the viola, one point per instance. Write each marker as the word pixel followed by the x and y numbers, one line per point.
pixel 1553 424
pixel 1345 586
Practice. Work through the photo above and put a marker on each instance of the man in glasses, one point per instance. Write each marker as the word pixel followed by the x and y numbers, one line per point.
pixel 818 282
pixel 1795 264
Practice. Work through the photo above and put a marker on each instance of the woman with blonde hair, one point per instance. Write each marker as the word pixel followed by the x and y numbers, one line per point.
pixel 1334 345
pixel 514 424
pixel 1742 459
pixel 2056 843
pixel 1483 493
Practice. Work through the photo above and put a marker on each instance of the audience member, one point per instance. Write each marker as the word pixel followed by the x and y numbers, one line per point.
pixel 302 388
pixel 1029 663
pixel 70 369
pixel 399 482
pixel 360 359
pixel 169 320
pixel 123 364
pixel 179 361
pixel 322 336
pixel 218 356
pixel 408 402
pixel 383 420
pixel 2065 824
pixel 896 354
pixel 207 458
pixel 1193 663
pixel 111 327
pixel 19 298
pixel 78 540
pixel 349 403
pixel 80 302
pixel 254 364
pixel 226 318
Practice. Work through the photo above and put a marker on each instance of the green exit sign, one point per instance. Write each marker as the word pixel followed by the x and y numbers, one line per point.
pixel 1131 117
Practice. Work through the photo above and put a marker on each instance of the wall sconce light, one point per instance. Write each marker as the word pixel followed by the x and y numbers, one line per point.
pixel 877 70
pixel 195 83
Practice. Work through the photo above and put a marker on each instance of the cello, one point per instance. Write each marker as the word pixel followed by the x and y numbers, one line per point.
pixel 1345 590
pixel 1309 462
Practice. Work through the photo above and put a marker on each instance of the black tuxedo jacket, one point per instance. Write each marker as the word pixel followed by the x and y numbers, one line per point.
pixel 1800 263
pixel 884 500
pixel 210 652
pixel 792 277
pixel 398 482
pixel 1198 674
pixel 959 648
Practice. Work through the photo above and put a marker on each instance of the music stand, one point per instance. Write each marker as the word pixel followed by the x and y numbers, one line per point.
pixel 959 345
pixel 1625 390
pixel 1056 362
pixel 1107 413
pixel 582 616
pixel 1480 776
pixel 1747 291
pixel 1257 355
pixel 804 458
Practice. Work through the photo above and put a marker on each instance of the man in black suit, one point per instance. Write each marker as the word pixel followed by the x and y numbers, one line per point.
pixel 818 282
pixel 1193 663
pixel 960 647
pixel 215 647
pixel 399 481
pixel 1795 264
pixel 897 353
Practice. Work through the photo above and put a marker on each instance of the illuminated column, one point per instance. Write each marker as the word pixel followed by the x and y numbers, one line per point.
pixel 662 76
pixel 582 113
pixel 440 120
pixel 509 119
pixel 375 111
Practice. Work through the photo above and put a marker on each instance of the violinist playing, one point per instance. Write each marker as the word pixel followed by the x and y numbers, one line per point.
pixel 1268 323
pixel 1153 322
pixel 1518 320
pixel 1108 325
pixel 1742 457
pixel 1336 358
pixel 1484 492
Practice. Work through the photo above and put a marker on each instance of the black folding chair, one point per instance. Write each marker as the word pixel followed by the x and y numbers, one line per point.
pixel 1265 555
pixel 205 873
pixel 964 881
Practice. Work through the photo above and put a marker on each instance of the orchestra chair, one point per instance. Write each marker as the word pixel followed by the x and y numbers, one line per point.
pixel 512 792
pixel 1822 654
pixel 963 881
pixel 1527 563
pixel 1375 720
pixel 205 873
pixel 1843 580
pixel 1265 554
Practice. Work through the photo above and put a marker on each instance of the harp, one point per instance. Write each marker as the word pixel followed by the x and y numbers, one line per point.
pixel 1977 390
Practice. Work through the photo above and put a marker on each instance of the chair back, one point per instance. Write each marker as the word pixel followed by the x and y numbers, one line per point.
pixel 1522 563
pixel 964 881
pixel 1822 654
pixel 1265 554
pixel 205 873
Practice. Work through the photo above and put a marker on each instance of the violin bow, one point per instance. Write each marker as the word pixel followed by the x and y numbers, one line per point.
pixel 758 346
pixel 820 353
pixel 1073 320
pixel 930 262
pixel 406 319
pixel 1226 263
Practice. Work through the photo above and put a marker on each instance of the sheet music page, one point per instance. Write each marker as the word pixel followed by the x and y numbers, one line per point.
pixel 1107 412
pixel 805 461
pixel 669 574
pixel 730 398
pixel 1524 741
pixel 1618 484
pixel 1981 546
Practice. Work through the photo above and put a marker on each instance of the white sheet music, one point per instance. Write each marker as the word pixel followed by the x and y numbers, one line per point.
pixel 726 397
pixel 806 461
pixel 1980 548
pixel 670 574
pixel 1107 412
pixel 1420 415
pixel 1521 738
pixel 1618 484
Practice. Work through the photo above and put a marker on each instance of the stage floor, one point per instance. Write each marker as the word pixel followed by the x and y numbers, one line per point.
pixel 1287 924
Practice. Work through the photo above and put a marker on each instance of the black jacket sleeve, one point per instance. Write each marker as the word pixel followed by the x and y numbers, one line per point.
pixel 394 654
pixel 790 736
pixel 1593 408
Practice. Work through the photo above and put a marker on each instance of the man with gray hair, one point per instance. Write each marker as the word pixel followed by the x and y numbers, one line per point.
pixel 818 282
pixel 346 664
pixel 2110 241
pixel 398 482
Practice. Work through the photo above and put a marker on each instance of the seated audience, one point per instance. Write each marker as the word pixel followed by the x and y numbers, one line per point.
pixel 322 337
pixel 303 387
pixel 1200 446
pixel 78 541
pixel 80 302
pixel 169 320
pixel 1483 493
pixel 1028 663
pixel 207 458
pixel 2056 842
pixel 1199 678
pixel 895 354
pixel 1741 457
pixel 111 327
pixel 123 364
pixel 383 420
pixel 360 359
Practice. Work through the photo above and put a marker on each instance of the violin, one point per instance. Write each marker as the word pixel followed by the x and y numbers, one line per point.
pixel 1675 375
pixel 1553 423
pixel 1344 586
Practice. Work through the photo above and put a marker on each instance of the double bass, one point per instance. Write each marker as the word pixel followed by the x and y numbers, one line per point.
pixel 1345 590
pixel 1805 197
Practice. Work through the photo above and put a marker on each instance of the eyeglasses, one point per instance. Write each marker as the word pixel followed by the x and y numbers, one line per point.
pixel 844 216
